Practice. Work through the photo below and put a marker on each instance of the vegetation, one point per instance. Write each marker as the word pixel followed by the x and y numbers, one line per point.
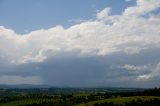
pixel 123 101
pixel 79 97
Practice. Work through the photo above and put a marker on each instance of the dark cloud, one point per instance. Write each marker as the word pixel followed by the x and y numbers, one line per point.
pixel 88 71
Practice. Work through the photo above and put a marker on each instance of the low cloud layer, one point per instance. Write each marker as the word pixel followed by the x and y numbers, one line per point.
pixel 87 49
pixel 20 80
pixel 153 75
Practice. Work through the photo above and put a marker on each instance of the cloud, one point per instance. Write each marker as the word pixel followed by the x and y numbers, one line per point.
pixel 77 20
pixel 101 39
pixel 107 34
pixel 103 14
pixel 134 68
pixel 5 79
pixel 153 75
pixel 142 7
pixel 127 37
pixel 128 0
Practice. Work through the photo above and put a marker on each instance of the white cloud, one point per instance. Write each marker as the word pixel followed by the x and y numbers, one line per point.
pixel 142 7
pixel 77 20
pixel 10 79
pixel 133 50
pixel 103 14
pixel 128 0
pixel 134 67
pixel 154 74
pixel 127 33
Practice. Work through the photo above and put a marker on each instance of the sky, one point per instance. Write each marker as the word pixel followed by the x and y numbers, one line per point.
pixel 80 43
pixel 24 16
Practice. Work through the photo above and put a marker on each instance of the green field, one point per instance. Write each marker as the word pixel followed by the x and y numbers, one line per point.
pixel 78 97
pixel 117 100
pixel 120 100
pixel 25 101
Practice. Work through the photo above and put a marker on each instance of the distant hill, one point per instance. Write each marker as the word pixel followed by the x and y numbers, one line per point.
pixel 70 89
pixel 24 86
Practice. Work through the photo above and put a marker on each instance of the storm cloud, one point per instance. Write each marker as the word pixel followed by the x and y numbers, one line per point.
pixel 97 52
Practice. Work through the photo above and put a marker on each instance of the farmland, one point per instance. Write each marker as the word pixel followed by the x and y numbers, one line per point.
pixel 78 97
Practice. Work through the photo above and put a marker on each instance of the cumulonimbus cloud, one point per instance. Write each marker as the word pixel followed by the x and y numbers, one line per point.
pixel 136 29
pixel 132 34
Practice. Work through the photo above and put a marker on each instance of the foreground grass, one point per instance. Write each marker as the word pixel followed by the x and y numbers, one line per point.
pixel 25 101
pixel 117 100
pixel 120 100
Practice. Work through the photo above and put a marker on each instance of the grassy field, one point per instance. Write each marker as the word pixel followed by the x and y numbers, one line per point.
pixel 25 101
pixel 117 100
pixel 120 100
pixel 75 97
